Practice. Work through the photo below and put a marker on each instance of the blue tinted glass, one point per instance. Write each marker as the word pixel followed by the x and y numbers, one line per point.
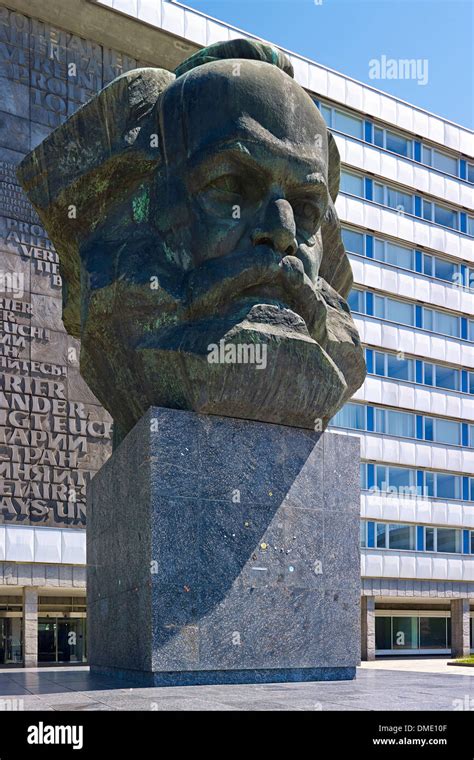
pixel 429 539
pixel 400 423
pixel 355 300
pixel 378 137
pixel 381 478
pixel 428 265
pixel 363 475
pixel 446 324
pixel 447 486
pixel 348 124
pixel 428 374
pixel 447 378
pixel 445 163
pixel 397 144
pixel 445 216
pixel 353 241
pixel 326 112
pixel 380 420
pixel 378 193
pixel 400 369
pixel 380 364
pixel 398 311
pixel 448 540
pixel 426 156
pixel 400 201
pixel 428 429
pixel 399 256
pixel 351 416
pixel 444 270
pixel 401 537
pixel 471 382
pixel 448 431
pixel 429 484
pixel 400 478
pixel 427 210
pixel 352 183
pixel 380 535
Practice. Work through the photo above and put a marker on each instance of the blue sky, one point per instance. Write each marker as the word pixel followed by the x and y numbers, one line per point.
pixel 347 34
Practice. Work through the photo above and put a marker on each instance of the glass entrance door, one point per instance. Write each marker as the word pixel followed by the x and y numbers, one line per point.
pixel 61 640
pixel 71 640
pixel 10 640
pixel 47 641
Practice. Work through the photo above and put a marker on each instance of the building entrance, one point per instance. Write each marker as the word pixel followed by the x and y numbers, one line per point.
pixel 10 640
pixel 61 639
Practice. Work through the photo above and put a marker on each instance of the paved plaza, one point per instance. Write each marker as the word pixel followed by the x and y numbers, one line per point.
pixel 424 684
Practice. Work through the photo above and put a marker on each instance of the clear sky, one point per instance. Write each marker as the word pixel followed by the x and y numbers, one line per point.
pixel 347 34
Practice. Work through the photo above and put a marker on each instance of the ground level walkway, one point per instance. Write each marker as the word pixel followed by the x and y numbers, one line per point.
pixel 395 684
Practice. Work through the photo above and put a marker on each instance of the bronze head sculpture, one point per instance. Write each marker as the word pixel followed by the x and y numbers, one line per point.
pixel 196 210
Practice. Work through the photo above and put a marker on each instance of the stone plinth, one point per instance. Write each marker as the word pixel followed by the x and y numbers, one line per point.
pixel 225 551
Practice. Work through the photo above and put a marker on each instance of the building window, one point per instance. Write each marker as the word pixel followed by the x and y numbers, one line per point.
pixel 353 241
pixel 401 537
pixel 353 184
pixel 350 416
pixel 342 121
pixel 400 424
pixel 356 300
pixel 393 141
pixel 412 632
pixel 393 198
pixel 380 535
pixel 441 161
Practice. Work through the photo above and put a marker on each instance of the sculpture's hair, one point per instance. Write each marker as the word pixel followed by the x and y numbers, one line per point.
pixel 237 49
pixel 106 152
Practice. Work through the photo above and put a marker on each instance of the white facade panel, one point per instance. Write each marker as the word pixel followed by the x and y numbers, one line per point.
pixel 414 453
pixel 415 398
pixel 411 230
pixel 365 157
pixel 416 566
pixel 374 332
pixel 20 544
pixel 414 286
pixel 47 545
pixel 416 509
pixel 149 11
pixel 73 547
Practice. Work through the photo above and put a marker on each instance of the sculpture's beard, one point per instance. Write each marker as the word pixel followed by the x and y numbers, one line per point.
pixel 248 321
pixel 229 287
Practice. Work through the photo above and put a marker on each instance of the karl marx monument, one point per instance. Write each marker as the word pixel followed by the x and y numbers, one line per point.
pixel 204 272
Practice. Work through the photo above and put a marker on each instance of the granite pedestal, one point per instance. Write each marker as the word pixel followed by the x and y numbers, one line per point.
pixel 224 551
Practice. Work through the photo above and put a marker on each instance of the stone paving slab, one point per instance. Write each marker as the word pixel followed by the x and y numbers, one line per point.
pixel 392 688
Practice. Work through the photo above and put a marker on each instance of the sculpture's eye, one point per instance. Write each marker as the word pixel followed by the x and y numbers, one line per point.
pixel 228 183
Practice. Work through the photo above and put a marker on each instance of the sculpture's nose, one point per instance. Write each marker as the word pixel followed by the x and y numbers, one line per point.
pixel 278 229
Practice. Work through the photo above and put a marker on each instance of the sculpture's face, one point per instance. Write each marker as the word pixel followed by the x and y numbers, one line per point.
pixel 221 247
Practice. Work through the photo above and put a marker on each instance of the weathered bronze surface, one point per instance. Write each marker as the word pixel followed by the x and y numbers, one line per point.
pixel 200 249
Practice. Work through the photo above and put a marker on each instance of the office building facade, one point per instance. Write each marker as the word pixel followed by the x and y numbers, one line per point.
pixel 406 207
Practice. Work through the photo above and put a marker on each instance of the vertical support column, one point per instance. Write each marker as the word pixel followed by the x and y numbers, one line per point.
pixel 367 604
pixel 460 628
pixel 30 627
